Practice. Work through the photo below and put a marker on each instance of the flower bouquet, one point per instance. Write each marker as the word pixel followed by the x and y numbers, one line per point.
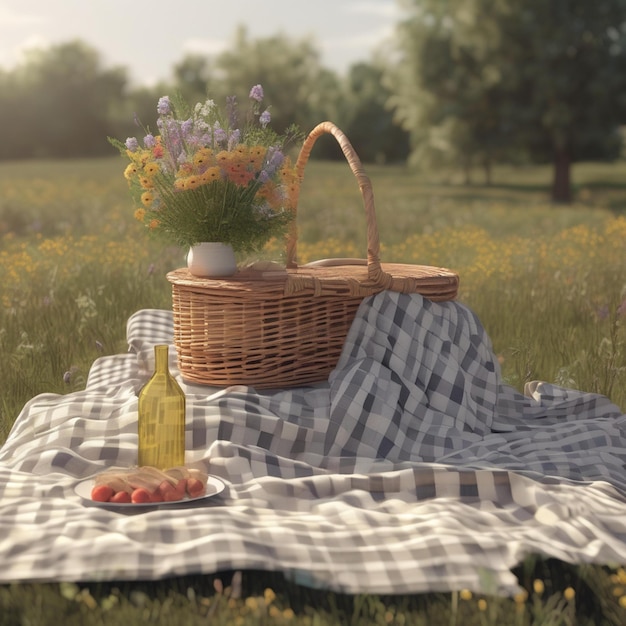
pixel 207 178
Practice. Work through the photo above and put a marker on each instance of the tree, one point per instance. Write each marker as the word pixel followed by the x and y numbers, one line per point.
pixel 59 102
pixel 367 120
pixel 193 77
pixel 296 86
pixel 72 96
pixel 514 77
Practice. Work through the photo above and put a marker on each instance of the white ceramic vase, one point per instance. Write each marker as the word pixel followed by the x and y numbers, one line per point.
pixel 211 259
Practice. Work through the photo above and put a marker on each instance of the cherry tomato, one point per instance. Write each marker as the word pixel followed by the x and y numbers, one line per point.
pixel 101 493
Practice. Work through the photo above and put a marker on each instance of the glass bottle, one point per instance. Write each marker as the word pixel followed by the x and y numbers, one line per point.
pixel 161 420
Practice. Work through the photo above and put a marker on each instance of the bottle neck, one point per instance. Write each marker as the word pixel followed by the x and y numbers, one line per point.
pixel 161 359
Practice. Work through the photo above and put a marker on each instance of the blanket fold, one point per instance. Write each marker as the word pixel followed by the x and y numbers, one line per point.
pixel 415 468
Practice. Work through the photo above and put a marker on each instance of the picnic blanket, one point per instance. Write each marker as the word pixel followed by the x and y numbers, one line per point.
pixel 415 468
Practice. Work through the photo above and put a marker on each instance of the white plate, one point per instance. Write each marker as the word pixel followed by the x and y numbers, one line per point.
pixel 213 487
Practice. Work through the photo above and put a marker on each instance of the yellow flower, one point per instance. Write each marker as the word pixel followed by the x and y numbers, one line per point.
pixel 140 214
pixel 569 594
pixel 224 157
pixel 211 174
pixel 269 596
pixel 146 182
pixel 180 183
pixel 130 171
pixel 153 224
pixel 521 596
pixel 192 182
pixel 147 198
pixel 241 151
pixel 465 594
pixel 256 155
pixel 202 156
pixel 538 586
pixel 151 169
pixel 482 604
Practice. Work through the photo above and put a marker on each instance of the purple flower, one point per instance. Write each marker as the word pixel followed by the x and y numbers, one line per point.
pixel 602 312
pixel 164 107
pixel 233 138
pixel 149 141
pixel 256 93
pixel 273 160
pixel 132 144
pixel 187 127
pixel 219 134
pixel 265 118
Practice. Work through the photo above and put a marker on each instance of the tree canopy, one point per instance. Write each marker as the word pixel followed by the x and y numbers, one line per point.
pixel 514 79
pixel 470 82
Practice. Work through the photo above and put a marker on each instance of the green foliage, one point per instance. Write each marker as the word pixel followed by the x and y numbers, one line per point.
pixel 63 102
pixel 483 80
pixel 367 119
pixel 562 595
pixel 300 90
pixel 58 102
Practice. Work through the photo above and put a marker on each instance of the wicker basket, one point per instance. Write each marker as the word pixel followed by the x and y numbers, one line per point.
pixel 286 328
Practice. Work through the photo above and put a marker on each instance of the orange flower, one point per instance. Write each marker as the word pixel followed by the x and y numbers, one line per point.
pixel 140 214
pixel 211 174
pixel 240 177
pixel 153 224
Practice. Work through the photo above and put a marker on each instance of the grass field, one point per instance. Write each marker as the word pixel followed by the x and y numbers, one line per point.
pixel 548 283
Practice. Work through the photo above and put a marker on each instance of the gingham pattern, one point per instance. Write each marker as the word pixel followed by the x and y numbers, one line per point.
pixel 413 469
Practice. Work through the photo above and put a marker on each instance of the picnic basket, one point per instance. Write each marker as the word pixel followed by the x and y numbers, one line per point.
pixel 286 327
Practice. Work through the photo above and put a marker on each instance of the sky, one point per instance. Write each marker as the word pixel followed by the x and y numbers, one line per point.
pixel 149 36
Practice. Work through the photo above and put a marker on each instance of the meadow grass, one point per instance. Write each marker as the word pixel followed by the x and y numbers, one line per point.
pixel 548 283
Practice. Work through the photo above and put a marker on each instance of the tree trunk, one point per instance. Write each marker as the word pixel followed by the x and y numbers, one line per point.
pixel 487 170
pixel 561 183
pixel 467 172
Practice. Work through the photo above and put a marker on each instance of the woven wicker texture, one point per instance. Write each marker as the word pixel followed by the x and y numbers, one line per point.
pixel 286 328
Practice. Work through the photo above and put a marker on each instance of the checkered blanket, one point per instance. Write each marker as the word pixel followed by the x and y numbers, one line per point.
pixel 414 468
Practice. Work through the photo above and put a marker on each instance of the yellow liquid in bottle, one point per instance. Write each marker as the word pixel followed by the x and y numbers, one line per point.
pixel 161 421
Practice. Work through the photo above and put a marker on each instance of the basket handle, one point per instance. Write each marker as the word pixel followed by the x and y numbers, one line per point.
pixel 374 270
